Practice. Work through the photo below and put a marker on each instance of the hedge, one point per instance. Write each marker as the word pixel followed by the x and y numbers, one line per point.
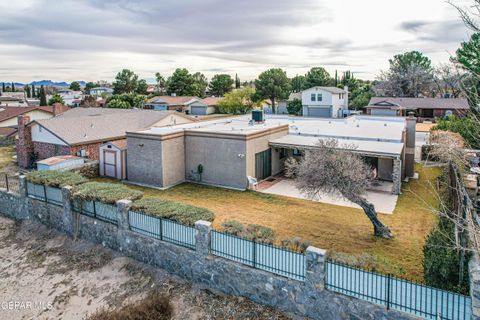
pixel 105 192
pixel 55 178
pixel 254 232
pixel 179 212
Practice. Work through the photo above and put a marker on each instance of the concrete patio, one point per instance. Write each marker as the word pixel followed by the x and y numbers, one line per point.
pixel 383 200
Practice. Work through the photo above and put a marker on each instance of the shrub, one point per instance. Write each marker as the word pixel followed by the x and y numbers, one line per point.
pixel 154 306
pixel 295 244
pixel 55 178
pixel 182 213
pixel 441 260
pixel 253 232
pixel 105 192
pixel 364 261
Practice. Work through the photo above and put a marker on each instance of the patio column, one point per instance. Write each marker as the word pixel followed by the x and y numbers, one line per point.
pixel 68 216
pixel 397 176
pixel 203 238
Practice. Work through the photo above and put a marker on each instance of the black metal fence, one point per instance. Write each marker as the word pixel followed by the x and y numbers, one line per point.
pixel 11 183
pixel 98 210
pixel 162 229
pixel 258 255
pixel 396 293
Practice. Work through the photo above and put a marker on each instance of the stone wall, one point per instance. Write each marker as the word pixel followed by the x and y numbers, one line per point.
pixel 308 298
pixel 397 176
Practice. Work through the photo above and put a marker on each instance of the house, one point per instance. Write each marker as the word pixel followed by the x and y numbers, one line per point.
pixel 101 92
pixel 324 102
pixel 283 104
pixel 231 149
pixel 13 99
pixel 70 98
pixel 212 103
pixel 8 116
pixel 82 131
pixel 425 108
pixel 187 104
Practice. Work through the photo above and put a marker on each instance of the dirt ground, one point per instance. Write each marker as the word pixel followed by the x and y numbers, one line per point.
pixel 46 275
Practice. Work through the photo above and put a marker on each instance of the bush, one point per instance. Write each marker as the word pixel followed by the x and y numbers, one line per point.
pixel 105 192
pixel 182 213
pixel 441 260
pixel 55 178
pixel 468 127
pixel 295 244
pixel 153 307
pixel 253 232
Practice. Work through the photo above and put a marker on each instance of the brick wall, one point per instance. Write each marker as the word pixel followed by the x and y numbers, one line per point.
pixel 46 150
pixel 93 150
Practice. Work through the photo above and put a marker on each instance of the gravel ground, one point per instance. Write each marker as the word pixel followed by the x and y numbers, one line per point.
pixel 46 275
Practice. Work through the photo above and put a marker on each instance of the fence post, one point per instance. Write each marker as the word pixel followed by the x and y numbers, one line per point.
pixel 67 218
pixel 123 206
pixel 315 268
pixel 203 238
pixel 474 276
pixel 389 288
pixel 6 182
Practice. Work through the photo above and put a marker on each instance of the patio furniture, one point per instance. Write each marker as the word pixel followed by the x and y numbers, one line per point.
pixel 252 183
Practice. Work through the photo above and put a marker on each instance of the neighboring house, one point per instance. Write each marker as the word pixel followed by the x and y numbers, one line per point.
pixel 231 149
pixel 13 99
pixel 70 97
pixel 187 104
pixel 425 108
pixel 8 116
pixel 81 131
pixel 283 104
pixel 101 91
pixel 324 102
pixel 212 103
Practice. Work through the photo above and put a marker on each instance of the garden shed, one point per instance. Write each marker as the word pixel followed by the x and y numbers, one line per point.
pixel 60 162
pixel 113 157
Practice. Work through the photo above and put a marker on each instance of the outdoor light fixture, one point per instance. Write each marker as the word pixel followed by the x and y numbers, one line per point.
pixel 241 155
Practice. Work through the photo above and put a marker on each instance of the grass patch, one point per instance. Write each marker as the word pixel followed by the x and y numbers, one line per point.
pixel 335 228
pixel 105 192
pixel 56 178
pixel 6 156
pixel 153 307
pixel 180 212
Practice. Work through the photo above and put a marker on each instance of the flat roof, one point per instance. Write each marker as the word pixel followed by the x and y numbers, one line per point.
pixel 386 129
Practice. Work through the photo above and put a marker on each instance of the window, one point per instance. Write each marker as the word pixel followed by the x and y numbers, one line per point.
pixel 283 153
pixel 312 97
pixel 297 152
pixel 319 97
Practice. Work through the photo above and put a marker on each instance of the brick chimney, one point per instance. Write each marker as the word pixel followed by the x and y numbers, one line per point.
pixel 24 142
pixel 56 109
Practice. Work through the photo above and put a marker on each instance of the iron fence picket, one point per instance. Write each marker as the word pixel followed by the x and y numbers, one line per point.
pixel 396 293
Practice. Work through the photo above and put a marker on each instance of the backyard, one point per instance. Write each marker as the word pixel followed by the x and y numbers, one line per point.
pixel 345 232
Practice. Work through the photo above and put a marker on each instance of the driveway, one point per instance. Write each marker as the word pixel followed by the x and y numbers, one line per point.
pixel 384 202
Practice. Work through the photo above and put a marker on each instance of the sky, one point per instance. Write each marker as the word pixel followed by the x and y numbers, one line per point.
pixel 67 40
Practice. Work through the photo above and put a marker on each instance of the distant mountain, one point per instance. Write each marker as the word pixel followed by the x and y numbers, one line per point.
pixel 17 84
pixel 45 83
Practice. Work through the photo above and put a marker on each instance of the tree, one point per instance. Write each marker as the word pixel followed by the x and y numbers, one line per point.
pixel 56 98
pixel 317 76
pixel 181 83
pixel 118 104
pixel 468 127
pixel 470 16
pixel 126 81
pixel 27 91
pixel 34 91
pixel 142 87
pixel 298 83
pixel 75 86
pixel 448 80
pixel 3 87
pixel 410 75
pixel 294 107
pixel 221 84
pixel 328 169
pixel 360 94
pixel 88 86
pixel 272 84
pixel 237 82
pixel 238 101
pixel 468 59
pixel 13 86
pixel 126 101
pixel 161 83
pixel 88 102
pixel 43 96
pixel 200 84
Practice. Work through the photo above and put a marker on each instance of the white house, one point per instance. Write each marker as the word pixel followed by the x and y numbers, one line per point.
pixel 99 91
pixel 70 97
pixel 324 102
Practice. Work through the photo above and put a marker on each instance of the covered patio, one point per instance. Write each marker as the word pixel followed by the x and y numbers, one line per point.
pixel 378 194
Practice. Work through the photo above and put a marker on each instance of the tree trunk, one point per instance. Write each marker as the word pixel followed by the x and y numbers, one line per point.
pixel 273 105
pixel 379 229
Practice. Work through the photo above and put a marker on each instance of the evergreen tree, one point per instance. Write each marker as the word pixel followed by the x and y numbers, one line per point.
pixel 13 87
pixel 3 86
pixel 27 91
pixel 43 96
pixel 34 93
pixel 237 81
pixel 336 78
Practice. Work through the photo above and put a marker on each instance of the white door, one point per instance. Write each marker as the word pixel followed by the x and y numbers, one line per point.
pixel 110 163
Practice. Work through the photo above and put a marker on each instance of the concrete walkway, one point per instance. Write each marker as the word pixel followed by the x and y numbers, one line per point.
pixel 384 202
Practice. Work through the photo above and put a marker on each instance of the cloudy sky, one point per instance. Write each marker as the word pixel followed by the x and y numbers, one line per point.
pixel 93 39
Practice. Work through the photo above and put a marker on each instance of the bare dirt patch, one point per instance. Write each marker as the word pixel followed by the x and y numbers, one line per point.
pixel 50 276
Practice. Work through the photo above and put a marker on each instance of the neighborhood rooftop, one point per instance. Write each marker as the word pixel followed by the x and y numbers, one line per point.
pixel 419 103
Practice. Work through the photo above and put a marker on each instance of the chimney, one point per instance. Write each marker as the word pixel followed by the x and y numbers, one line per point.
pixel 410 145
pixel 346 97
pixel 56 108
pixel 24 142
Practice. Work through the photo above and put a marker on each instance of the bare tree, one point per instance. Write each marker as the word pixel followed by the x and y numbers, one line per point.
pixel 448 80
pixel 332 169
pixel 470 15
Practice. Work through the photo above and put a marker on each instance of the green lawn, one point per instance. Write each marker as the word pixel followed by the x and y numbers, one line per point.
pixel 335 228
pixel 6 160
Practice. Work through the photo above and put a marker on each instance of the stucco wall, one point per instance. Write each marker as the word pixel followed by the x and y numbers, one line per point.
pixel 173 159
pixel 144 161
pixel 223 159
pixel 385 168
